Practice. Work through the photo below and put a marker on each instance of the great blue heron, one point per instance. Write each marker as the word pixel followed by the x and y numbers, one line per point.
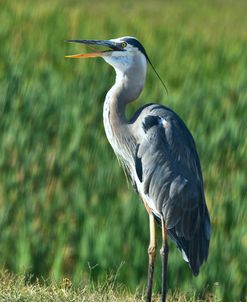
pixel 158 154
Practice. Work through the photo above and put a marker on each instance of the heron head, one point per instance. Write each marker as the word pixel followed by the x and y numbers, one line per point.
pixel 122 53
pixel 125 54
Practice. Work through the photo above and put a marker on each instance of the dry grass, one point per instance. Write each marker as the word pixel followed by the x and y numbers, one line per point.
pixel 20 288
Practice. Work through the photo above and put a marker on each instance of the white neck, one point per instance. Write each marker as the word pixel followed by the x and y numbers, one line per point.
pixel 128 86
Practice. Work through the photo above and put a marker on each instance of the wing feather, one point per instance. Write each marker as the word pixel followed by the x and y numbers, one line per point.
pixel 171 176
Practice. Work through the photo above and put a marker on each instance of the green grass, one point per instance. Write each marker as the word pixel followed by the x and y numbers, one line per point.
pixel 20 288
pixel 65 208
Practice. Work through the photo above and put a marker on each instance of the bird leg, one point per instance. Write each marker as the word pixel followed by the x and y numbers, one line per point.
pixel 151 256
pixel 164 258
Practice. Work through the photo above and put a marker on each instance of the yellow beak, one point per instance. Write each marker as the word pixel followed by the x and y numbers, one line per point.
pixel 86 55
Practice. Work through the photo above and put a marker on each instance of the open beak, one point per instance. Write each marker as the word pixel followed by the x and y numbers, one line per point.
pixel 110 45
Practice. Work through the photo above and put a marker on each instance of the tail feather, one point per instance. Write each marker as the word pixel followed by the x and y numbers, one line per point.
pixel 195 250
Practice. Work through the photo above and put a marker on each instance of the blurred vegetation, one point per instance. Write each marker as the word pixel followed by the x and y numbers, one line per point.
pixel 65 207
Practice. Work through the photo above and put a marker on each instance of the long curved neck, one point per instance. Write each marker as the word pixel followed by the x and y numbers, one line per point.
pixel 126 89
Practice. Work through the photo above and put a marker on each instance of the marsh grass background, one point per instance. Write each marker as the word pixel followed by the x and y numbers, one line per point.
pixel 66 210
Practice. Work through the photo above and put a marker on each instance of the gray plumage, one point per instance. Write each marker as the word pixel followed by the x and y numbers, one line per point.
pixel 168 166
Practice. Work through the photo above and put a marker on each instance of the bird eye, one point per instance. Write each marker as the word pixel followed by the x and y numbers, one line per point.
pixel 124 44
